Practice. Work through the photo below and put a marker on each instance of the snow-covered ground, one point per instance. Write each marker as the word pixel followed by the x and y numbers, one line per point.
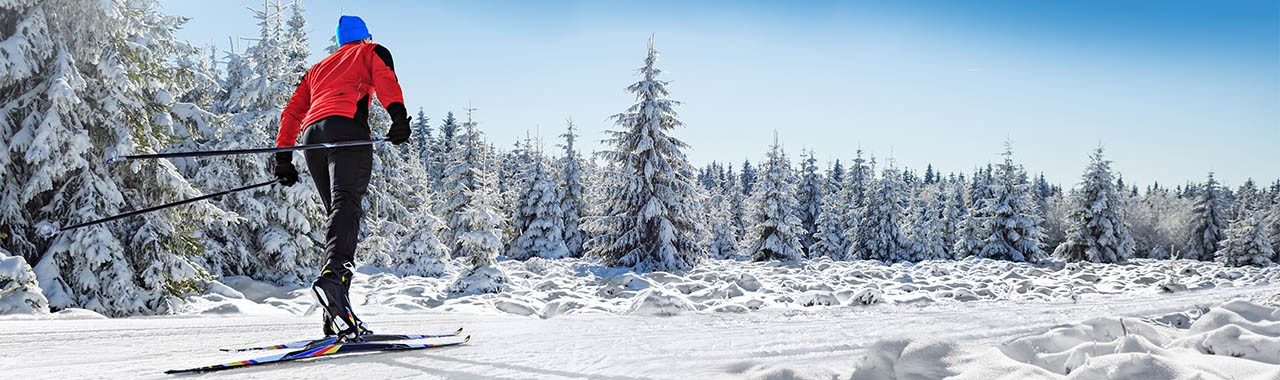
pixel 977 319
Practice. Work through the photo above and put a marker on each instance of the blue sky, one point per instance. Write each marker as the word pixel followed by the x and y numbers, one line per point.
pixel 1172 89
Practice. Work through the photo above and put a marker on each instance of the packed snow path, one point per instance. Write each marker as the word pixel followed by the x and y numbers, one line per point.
pixel 809 343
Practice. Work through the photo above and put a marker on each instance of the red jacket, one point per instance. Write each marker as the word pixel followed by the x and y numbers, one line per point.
pixel 341 85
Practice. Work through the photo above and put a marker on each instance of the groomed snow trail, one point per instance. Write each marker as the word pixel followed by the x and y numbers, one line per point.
pixel 818 342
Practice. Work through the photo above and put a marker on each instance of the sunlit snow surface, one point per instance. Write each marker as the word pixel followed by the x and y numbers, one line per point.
pixel 969 319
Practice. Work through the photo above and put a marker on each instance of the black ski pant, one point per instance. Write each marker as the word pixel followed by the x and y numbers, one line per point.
pixel 342 178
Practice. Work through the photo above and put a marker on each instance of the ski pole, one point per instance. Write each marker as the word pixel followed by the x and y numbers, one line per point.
pixel 47 230
pixel 113 156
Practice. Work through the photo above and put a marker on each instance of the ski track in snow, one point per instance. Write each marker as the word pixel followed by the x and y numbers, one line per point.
pixel 777 341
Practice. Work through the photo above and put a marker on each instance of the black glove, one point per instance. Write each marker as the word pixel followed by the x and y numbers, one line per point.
pixel 285 172
pixel 399 132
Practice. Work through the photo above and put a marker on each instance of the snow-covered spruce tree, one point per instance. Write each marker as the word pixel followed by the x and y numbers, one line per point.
pixel 950 196
pixel 809 195
pixel 854 196
pixel 1246 243
pixel 479 240
pixel 1273 224
pixel 748 178
pixel 19 291
pixel 924 226
pixel 774 228
pixel 423 142
pixel 828 234
pixel 968 236
pixel 277 236
pixel 1010 220
pixel 1207 223
pixel 442 151
pixel 514 179
pixel 1098 231
pixel 542 219
pixel 460 179
pixel 737 204
pixel 420 251
pixel 398 230
pixel 1158 221
pixel 649 210
pixel 980 188
pixel 295 46
pixel 572 193
pixel 723 242
pixel 1247 199
pixel 879 234
pixel 81 77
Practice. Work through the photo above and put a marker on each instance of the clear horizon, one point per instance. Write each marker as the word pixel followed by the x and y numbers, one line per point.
pixel 1173 90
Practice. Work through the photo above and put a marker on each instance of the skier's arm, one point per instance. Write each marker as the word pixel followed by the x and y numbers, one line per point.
pixel 294 113
pixel 387 85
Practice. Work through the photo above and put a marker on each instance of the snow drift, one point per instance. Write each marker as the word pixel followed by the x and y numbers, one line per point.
pixel 1235 340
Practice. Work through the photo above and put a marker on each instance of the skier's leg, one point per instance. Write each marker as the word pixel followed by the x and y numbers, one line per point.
pixel 318 164
pixel 349 169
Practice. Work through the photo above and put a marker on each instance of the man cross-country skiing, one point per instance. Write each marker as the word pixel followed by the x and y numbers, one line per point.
pixel 331 104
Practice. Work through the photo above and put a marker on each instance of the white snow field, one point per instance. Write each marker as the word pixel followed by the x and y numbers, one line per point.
pixel 818 319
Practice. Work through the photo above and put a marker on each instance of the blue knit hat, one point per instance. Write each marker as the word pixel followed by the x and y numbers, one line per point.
pixel 350 29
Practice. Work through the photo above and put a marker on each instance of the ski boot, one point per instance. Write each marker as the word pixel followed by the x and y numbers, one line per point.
pixel 331 290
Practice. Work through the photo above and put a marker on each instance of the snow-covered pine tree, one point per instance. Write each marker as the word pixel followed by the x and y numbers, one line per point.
pixel 648 221
pixel 295 45
pixel 828 235
pixel 1207 223
pixel 879 234
pixel 572 192
pixel 423 142
pixel 1273 224
pixel 748 178
pixel 925 226
pixel 541 219
pixel 1010 220
pixel 969 240
pixel 460 178
pixel 835 177
pixel 723 242
pixel 950 196
pixel 1098 231
pixel 854 194
pixel 1158 221
pixel 1247 199
pixel 81 77
pixel 479 239
pixel 399 231
pixel 737 204
pixel 514 179
pixel 277 238
pixel 1246 243
pixel 980 187
pixel 19 291
pixel 774 228
pixel 809 196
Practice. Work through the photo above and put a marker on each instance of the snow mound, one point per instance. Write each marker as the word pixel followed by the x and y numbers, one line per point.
pixel 661 302
pixel 1236 340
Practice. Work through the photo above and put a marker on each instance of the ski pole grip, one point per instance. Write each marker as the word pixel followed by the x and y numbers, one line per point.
pixel 113 156
pixel 46 229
